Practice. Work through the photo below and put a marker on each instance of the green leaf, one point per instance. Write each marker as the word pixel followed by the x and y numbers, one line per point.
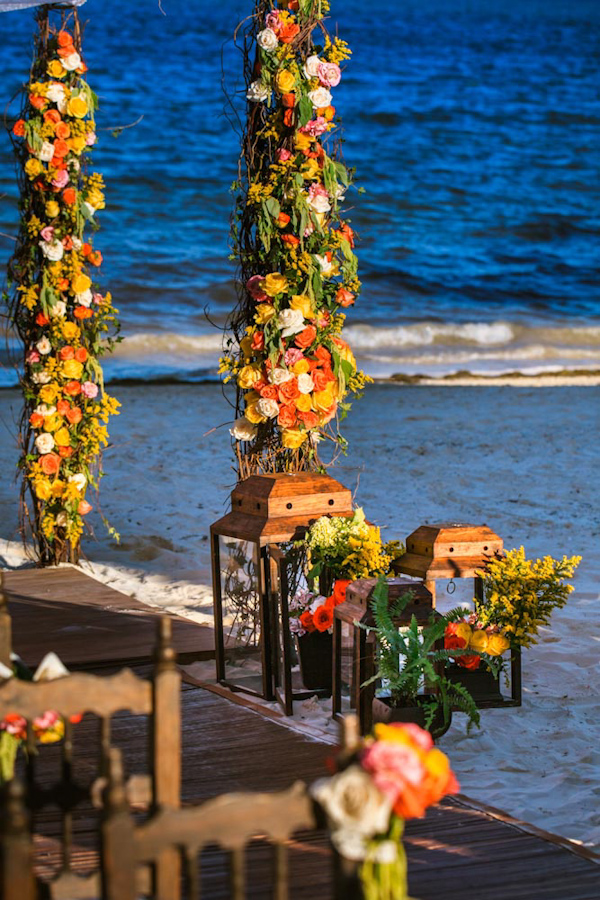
pixel 273 207
pixel 305 110
pixel 342 173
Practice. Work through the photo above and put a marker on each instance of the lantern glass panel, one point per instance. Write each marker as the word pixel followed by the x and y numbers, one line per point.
pixel 240 598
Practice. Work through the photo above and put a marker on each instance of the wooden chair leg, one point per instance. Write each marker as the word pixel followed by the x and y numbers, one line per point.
pixel 117 861
pixel 17 881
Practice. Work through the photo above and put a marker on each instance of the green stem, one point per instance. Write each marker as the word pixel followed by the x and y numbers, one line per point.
pixel 9 746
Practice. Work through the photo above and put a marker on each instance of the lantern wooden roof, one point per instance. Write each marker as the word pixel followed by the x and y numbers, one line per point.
pixel 359 595
pixel 448 551
pixel 279 507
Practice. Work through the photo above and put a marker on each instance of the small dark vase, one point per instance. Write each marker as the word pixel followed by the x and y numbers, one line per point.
pixel 315 651
pixel 482 685
pixel 383 711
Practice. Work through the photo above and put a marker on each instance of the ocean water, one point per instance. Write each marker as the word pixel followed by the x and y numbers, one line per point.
pixel 474 128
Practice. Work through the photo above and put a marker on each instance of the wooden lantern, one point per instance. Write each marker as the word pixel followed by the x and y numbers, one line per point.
pixel 266 510
pixel 354 648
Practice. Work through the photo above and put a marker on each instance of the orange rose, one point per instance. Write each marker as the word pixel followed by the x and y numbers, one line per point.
pixel 287 416
pixel 65 452
pixel 290 239
pixel 66 352
pixel 258 340
pixel 269 392
pixel 95 258
pixel 84 508
pixel 52 116
pixel 347 234
pixel 62 407
pixel 321 378
pixel 469 662
pixel 306 337
pixel 67 242
pixel 50 463
pixel 306 620
pixel 69 196
pixel 36 420
pixel 61 148
pixel 62 131
pixel 323 356
pixel 63 284
pixel 86 249
pixel 288 32
pixel 344 297
pixel 288 118
pixel 288 100
pixel 74 415
pixel 67 50
pixel 72 388
pixel 42 319
pixel 329 113
pixel 19 128
pixel 82 312
pixel 339 590
pixel 81 354
pixel 37 102
pixel 282 219
pixel 288 391
pixel 310 419
pixel 64 39
pixel 323 618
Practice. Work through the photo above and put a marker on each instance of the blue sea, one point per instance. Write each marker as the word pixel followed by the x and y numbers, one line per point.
pixel 474 128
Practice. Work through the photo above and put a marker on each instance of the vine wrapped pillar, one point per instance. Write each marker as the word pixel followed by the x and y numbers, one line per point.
pixel 297 272
pixel 56 307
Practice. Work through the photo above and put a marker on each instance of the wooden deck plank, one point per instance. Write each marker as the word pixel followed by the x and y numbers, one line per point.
pixel 89 624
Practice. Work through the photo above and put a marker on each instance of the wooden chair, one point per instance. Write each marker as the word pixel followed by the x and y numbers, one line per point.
pixel 104 696
pixel 230 821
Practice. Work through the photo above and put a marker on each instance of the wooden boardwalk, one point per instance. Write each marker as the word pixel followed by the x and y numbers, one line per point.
pixel 459 850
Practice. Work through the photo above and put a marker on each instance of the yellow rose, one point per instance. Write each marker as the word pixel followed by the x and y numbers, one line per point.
pixel 322 400
pixel 302 141
pixel 436 762
pixel 285 81
pixel 248 376
pixel 52 423
pixel 81 283
pixel 464 631
pixel 301 367
pixel 77 106
pixel 264 313
pixel 71 368
pixel 77 144
pixel 95 198
pixel 58 488
pixel 246 346
pixel 48 393
pixel 303 402
pixel 33 167
pixel 345 352
pixel 43 490
pixel 479 641
pixel 275 284
pixel 253 415
pixel 304 304
pixel 62 437
pixel 497 644
pixel 55 69
pixel 70 331
pixel 292 438
pixel 56 733
pixel 52 209
pixel 311 170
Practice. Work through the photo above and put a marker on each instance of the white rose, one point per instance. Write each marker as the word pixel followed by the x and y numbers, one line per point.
pixel 61 519
pixel 315 438
pixel 44 443
pixel 258 92
pixel 79 480
pixel 59 309
pixel 89 208
pixel 317 602
pixel 41 377
pixel 311 67
pixel 305 383
pixel 267 39
pixel 320 97
pixel 319 203
pixel 268 408
pixel 279 375
pixel 243 430
pixel 290 321
pixel 43 410
pixel 85 298
pixel 52 250
pixel 47 152
pixel 327 267
pixel 55 92
pixel 62 106
pixel 339 193
pixel 74 164
pixel 77 244
pixel 44 346
pixel 353 803
pixel 71 62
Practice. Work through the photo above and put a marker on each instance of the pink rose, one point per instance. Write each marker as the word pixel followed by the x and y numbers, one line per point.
pixel 90 139
pixel 393 766
pixel 329 74
pixel 89 389
pixel 293 355
pixel 315 127
pixel 284 155
pixel 84 508
pixel 47 233
pixel 273 22
pixel 32 357
pixel 98 298
pixel 61 180
pixel 253 286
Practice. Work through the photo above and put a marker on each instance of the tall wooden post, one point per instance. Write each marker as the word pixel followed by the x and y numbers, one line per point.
pixel 5 627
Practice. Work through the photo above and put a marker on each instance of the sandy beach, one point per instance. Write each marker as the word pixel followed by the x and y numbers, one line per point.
pixel 521 459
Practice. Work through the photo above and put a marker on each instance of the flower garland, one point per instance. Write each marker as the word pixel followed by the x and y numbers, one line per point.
pixel 292 369
pixel 349 547
pixel 61 317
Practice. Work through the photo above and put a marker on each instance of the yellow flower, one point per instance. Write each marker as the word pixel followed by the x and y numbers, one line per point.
pixel 33 167
pixel 248 376
pixel 55 69
pixel 95 198
pixel 81 283
pixel 58 488
pixel 52 209
pixel 304 402
pixel 77 106
pixel 62 437
pixel 285 81
pixel 497 644
pixel 479 641
pixel 52 423
pixel 43 490
pixel 48 393
pixel 464 631
pixel 304 304
pixel 275 284
pixel 77 144
pixel 246 346
pixel 253 415
pixel 70 331
pixel 301 367
pixel 311 170
pixel 302 141
pixel 436 762
pixel 264 313
pixel 292 438
pixel 72 369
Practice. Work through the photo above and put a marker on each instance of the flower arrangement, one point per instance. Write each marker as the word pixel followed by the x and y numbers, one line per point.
pixel 55 306
pixel 469 633
pixel 349 547
pixel 311 612
pixel 292 369
pixel 391 776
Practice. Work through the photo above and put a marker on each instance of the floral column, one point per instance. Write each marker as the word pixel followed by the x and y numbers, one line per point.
pixel 55 304
pixel 294 246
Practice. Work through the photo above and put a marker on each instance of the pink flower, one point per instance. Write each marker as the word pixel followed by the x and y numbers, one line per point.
pixel 84 508
pixel 90 139
pixel 418 735
pixel 273 22
pixel 315 127
pixel 393 766
pixel 89 389
pixel 330 74
pixel 292 356
pixel 283 155
pixel 48 720
pixel 253 286
pixel 32 357
pixel 61 180
pixel 98 298
pixel 47 233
